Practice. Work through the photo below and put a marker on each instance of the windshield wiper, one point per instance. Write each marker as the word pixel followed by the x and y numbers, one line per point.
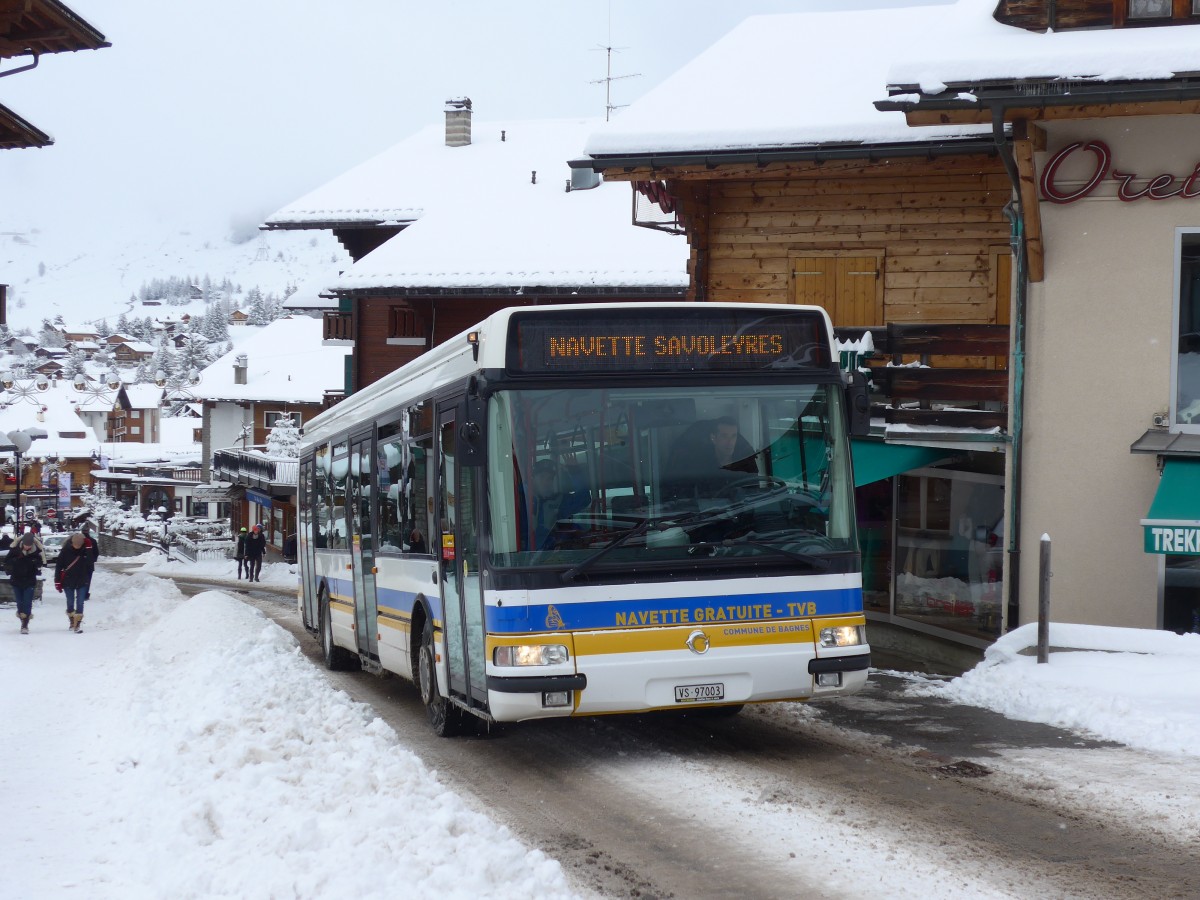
pixel 640 527
pixel 817 562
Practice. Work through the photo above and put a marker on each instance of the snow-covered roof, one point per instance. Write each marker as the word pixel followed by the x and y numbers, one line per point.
pixel 139 346
pixel 144 396
pixel 785 81
pixel 391 188
pixel 973 47
pixel 502 218
pixel 309 295
pixel 285 361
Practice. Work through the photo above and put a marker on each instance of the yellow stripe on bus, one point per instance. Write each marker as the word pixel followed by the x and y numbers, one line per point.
pixel 644 640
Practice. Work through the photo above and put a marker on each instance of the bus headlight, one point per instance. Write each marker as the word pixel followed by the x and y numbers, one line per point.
pixel 842 636
pixel 530 655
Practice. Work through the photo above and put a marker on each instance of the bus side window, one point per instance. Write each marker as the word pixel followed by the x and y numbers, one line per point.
pixel 418 516
pixel 320 497
pixel 391 487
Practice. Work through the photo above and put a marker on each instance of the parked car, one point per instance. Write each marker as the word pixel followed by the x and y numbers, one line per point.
pixel 53 544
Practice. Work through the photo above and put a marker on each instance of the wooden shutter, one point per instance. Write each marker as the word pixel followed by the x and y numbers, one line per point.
pixel 849 288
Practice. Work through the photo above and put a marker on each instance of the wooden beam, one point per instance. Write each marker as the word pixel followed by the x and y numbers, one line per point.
pixel 983 115
pixel 1024 144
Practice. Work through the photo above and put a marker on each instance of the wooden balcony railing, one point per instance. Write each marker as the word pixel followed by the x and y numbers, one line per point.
pixel 950 375
pixel 339 326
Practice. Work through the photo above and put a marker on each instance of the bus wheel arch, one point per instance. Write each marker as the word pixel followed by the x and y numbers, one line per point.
pixel 337 659
pixel 446 719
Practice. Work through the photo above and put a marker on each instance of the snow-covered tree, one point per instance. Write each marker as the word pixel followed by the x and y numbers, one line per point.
pixel 284 438
pixel 75 363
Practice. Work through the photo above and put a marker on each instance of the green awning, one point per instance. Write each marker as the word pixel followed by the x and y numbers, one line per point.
pixel 1173 523
pixel 875 460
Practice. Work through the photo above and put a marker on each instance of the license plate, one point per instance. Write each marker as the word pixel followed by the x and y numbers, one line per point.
pixel 699 693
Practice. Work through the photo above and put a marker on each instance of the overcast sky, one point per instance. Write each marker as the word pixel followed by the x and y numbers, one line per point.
pixel 207 115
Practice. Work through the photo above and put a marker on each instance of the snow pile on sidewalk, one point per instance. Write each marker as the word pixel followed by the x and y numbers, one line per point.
pixel 1135 686
pixel 185 748
pixel 274 573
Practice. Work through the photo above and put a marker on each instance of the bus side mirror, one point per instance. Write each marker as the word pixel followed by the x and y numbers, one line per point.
pixel 471 440
pixel 858 404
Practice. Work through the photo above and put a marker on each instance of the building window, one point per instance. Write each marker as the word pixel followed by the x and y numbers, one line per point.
pixel 1150 9
pixel 1185 376
pixel 136 429
pixel 271 419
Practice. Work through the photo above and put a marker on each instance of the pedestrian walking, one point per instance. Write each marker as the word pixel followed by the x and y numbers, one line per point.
pixel 239 554
pixel 24 564
pixel 256 546
pixel 92 546
pixel 72 575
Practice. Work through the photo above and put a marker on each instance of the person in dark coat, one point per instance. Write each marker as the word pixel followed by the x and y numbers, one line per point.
pixel 5 541
pixel 256 546
pixel 24 564
pixel 91 544
pixel 239 553
pixel 72 576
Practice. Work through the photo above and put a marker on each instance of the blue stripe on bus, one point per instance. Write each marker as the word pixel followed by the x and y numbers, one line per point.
pixel 684 610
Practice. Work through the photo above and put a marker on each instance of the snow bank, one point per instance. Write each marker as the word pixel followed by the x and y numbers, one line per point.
pixel 185 748
pixel 1135 686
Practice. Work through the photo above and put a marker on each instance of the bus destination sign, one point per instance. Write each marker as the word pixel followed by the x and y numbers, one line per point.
pixel 685 340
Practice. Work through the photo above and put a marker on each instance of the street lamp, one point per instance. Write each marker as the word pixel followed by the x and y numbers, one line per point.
pixel 21 443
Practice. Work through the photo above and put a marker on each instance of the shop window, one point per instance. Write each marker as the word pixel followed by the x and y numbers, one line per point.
pixel 1186 369
pixel 1181 594
pixel 949 556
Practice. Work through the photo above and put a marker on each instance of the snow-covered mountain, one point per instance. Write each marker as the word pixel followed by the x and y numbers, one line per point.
pixel 85 280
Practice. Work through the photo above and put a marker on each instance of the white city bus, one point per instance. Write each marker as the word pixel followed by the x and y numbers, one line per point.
pixel 575 510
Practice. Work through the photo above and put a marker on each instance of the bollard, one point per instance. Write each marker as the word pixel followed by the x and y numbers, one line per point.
pixel 1043 651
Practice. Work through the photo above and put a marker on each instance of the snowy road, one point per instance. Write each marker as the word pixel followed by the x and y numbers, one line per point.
pixel 788 800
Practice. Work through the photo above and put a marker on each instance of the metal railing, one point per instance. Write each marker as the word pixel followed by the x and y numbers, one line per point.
pixel 241 466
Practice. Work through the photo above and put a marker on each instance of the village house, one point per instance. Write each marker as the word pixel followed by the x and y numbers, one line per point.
pixel 465 218
pixel 281 371
pixel 1105 459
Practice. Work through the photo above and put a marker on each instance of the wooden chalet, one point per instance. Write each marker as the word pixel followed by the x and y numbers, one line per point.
pixel 410 289
pixel 895 232
pixel 34 28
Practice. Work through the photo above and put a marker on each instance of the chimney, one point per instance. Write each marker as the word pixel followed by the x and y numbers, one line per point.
pixel 458 121
pixel 240 363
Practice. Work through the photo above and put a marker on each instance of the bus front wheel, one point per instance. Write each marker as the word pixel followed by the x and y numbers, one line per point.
pixel 444 717
pixel 337 659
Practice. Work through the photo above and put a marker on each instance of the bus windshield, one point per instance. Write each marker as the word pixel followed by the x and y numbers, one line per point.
pixel 595 478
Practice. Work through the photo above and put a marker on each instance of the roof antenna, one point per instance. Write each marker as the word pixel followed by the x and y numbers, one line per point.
pixel 609 77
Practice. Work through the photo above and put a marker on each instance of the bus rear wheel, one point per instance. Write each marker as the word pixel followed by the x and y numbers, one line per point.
pixel 337 659
pixel 445 718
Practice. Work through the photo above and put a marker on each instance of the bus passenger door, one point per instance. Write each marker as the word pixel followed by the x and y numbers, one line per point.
pixel 362 547
pixel 305 511
pixel 462 593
